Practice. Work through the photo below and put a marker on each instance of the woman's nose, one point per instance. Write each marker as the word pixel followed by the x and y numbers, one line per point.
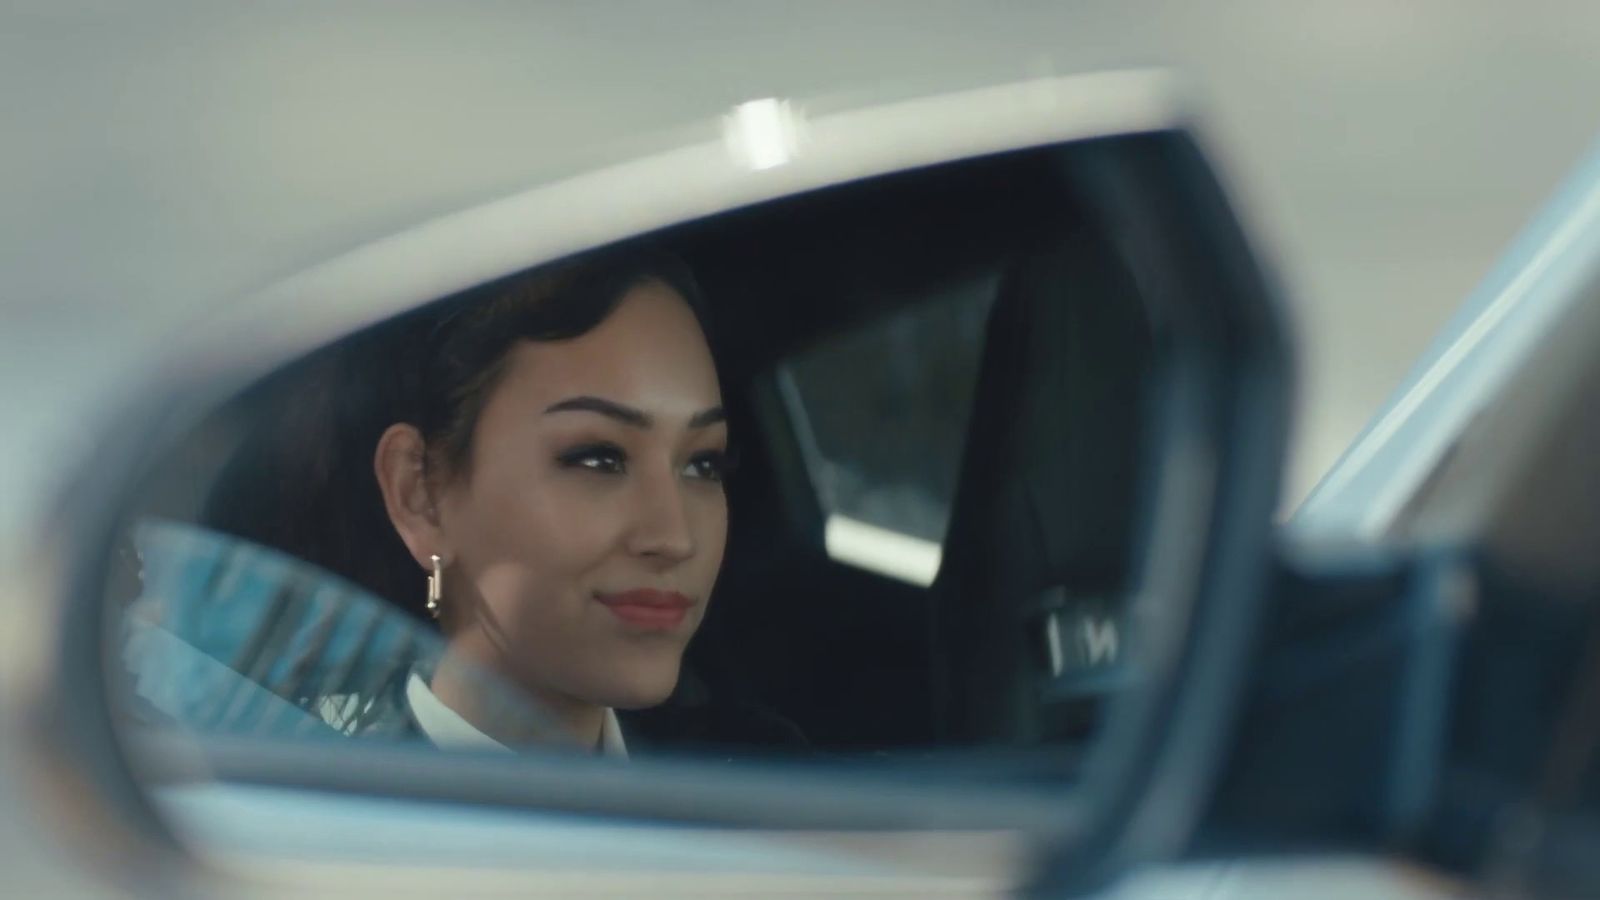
pixel 661 528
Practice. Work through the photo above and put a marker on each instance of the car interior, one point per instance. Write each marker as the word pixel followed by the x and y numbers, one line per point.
pixel 940 387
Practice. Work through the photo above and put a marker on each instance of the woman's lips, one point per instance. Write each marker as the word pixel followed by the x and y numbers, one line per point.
pixel 648 608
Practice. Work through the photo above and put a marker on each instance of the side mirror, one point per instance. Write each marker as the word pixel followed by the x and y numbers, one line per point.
pixel 1015 396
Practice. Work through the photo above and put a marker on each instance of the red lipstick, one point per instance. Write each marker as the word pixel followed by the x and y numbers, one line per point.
pixel 647 608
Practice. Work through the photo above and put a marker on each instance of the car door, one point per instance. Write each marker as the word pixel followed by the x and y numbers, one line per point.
pixel 1453 545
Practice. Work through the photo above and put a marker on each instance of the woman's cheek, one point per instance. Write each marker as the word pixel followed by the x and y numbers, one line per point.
pixel 714 528
pixel 569 527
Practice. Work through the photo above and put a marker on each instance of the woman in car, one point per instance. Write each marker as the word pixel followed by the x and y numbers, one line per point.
pixel 535 467
pixel 557 485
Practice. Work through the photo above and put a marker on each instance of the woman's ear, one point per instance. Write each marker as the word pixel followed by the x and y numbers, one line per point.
pixel 407 497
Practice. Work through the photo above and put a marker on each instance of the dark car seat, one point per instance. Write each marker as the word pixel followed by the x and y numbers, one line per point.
pixel 1043 523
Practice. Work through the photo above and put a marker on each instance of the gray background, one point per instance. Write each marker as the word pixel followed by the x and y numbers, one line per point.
pixel 160 157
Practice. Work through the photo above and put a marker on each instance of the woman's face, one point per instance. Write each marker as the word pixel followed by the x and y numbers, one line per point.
pixel 589 529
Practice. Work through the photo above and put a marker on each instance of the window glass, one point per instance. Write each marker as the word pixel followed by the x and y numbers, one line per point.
pixel 887 406
pixel 881 413
pixel 229 637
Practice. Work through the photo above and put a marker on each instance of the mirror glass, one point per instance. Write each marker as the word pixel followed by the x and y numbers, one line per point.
pixel 857 477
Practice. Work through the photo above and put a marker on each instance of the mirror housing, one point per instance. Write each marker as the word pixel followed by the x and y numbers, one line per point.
pixel 1220 442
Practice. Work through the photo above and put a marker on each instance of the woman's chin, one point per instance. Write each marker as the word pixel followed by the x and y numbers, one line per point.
pixel 641 688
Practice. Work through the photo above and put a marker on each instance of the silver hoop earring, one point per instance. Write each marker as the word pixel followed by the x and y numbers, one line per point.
pixel 435 587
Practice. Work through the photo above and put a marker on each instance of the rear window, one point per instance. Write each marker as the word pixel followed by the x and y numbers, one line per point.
pixel 881 415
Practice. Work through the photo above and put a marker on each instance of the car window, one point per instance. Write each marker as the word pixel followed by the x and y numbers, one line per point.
pixel 230 637
pixel 881 413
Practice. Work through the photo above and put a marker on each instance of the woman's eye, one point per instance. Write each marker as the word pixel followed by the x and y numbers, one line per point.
pixel 605 458
pixel 710 466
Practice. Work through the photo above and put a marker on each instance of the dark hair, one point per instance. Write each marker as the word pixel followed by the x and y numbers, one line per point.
pixel 469 342
pixel 302 481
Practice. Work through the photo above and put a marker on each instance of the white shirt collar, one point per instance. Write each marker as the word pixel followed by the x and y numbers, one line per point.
pixel 611 743
pixel 445 728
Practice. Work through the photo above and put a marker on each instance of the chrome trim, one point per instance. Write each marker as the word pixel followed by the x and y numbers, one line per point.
pixel 1496 332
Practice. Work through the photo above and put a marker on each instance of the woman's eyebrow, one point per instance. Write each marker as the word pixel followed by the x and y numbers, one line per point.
pixel 708 418
pixel 627 415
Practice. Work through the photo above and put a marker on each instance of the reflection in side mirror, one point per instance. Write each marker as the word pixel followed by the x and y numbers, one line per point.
pixel 971 412
pixel 1000 428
